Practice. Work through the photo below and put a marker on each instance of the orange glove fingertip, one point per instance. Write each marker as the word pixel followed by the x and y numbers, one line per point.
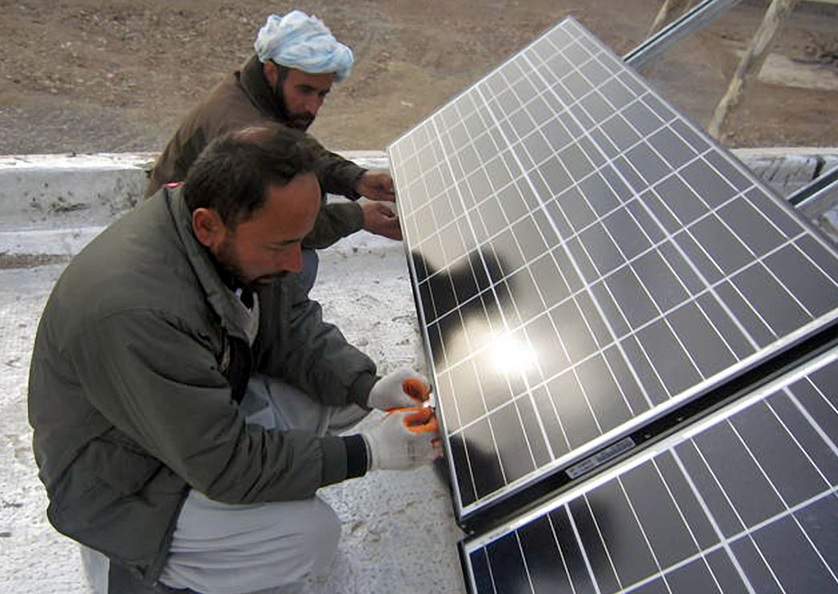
pixel 416 389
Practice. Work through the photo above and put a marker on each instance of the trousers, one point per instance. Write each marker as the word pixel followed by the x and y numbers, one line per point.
pixel 260 548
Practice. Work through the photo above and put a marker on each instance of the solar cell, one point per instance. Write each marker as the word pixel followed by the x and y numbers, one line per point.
pixel 586 262
pixel 747 502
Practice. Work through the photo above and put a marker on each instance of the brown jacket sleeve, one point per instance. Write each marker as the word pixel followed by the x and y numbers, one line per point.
pixel 231 106
pixel 337 220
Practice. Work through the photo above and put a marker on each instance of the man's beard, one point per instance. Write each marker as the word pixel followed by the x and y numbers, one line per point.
pixel 228 263
pixel 299 121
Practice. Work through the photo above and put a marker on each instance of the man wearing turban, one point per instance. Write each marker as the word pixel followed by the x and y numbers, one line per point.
pixel 297 60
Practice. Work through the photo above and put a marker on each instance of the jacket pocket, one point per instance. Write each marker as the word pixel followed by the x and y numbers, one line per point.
pixel 118 462
pixel 117 500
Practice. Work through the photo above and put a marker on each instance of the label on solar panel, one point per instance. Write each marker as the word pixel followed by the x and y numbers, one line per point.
pixel 588 464
pixel 748 503
pixel 586 261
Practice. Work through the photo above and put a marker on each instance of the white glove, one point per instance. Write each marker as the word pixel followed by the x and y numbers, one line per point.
pixel 403 388
pixel 404 439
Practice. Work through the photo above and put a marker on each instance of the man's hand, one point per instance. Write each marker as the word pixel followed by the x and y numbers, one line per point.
pixel 403 388
pixel 376 186
pixel 380 220
pixel 404 439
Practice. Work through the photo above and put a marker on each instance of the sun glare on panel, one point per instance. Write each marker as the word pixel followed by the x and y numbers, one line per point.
pixel 512 355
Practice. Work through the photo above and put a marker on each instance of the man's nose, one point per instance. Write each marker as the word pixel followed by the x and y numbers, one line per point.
pixel 313 104
pixel 292 261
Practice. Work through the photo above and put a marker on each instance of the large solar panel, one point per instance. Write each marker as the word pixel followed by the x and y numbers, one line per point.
pixel 590 269
pixel 746 503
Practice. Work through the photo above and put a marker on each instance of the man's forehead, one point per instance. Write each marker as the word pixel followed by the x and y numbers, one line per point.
pixel 300 77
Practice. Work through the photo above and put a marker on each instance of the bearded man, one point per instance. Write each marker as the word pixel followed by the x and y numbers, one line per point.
pixel 296 63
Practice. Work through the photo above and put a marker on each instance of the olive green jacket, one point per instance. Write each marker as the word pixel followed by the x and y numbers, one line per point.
pixel 138 360
pixel 244 99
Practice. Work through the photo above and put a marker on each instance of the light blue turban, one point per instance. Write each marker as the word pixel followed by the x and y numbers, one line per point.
pixel 299 41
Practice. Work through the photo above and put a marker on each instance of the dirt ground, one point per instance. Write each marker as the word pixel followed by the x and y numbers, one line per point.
pixel 117 76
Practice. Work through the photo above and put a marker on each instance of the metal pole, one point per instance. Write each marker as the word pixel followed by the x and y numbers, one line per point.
pixel 698 16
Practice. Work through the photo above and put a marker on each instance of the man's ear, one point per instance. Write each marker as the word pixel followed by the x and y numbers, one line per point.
pixel 208 227
pixel 271 73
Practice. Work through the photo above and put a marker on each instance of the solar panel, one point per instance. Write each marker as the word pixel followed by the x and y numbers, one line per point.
pixel 747 503
pixel 590 269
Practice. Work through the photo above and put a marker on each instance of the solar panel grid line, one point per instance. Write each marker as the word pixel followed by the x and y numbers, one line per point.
pixel 578 536
pixel 790 514
pixel 821 432
pixel 698 557
pixel 747 448
pixel 718 482
pixel 682 516
pixel 526 569
pixel 770 520
pixel 733 318
pixel 599 531
pixel 637 519
pixel 753 458
pixel 796 441
pixel 724 542
pixel 760 259
pixel 555 540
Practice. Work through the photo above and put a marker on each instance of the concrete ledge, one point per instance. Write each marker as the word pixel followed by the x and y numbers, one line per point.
pixel 50 191
pixel 52 205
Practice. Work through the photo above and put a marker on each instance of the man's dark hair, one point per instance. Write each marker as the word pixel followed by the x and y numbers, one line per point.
pixel 232 174
pixel 281 72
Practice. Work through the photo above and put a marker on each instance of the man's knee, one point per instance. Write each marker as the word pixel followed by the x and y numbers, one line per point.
pixel 321 540
pixel 252 547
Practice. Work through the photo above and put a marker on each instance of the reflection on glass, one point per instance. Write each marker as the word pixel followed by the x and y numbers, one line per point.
pixel 512 355
pixel 504 353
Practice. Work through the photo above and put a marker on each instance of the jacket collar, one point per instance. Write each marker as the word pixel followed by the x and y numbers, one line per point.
pixel 257 89
pixel 234 317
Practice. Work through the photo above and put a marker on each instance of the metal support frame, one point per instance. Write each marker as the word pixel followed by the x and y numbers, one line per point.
pixel 815 189
pixel 818 202
pixel 692 20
